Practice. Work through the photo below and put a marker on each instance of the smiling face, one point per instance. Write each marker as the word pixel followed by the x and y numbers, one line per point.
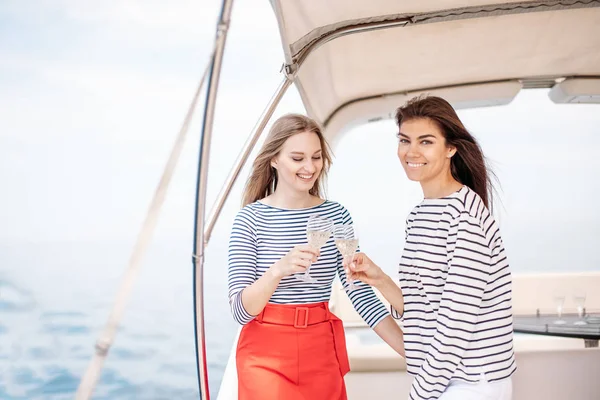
pixel 299 163
pixel 423 152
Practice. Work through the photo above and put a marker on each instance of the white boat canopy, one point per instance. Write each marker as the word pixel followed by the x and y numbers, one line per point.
pixel 358 61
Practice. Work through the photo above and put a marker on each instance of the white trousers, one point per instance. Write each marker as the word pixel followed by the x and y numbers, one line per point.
pixel 482 390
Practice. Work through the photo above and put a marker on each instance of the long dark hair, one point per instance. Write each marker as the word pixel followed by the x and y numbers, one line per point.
pixel 263 177
pixel 467 165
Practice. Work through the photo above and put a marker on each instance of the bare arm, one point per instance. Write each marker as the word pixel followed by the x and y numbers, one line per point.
pixel 362 268
pixel 391 333
pixel 256 296
pixel 392 293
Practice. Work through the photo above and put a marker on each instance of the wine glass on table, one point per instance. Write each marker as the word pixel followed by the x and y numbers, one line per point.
pixel 579 300
pixel 559 301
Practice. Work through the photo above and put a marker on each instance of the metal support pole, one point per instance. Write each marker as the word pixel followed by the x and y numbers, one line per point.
pixel 243 156
pixel 198 252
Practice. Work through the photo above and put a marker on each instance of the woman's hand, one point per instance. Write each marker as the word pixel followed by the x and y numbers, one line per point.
pixel 362 268
pixel 297 260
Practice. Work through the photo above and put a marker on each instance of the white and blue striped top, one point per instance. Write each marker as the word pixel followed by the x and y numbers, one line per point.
pixel 456 283
pixel 262 234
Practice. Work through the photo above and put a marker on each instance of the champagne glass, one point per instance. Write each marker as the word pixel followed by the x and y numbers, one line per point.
pixel 346 240
pixel 559 301
pixel 579 300
pixel 318 231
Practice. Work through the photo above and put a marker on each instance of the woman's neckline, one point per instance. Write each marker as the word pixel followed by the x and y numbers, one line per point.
pixel 291 209
pixel 447 197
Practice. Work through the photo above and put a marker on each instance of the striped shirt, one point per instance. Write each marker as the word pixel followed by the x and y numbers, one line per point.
pixel 262 235
pixel 456 283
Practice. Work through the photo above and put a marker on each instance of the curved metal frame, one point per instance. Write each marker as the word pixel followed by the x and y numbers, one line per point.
pixel 345 31
pixel 204 151
pixel 243 156
pixel 205 232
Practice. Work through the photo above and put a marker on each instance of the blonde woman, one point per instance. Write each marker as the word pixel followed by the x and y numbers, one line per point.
pixel 291 346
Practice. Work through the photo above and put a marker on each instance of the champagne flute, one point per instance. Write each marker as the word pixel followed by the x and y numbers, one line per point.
pixel 318 231
pixel 579 300
pixel 346 240
pixel 559 301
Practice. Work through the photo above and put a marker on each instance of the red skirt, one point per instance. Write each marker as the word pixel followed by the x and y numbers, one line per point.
pixel 292 352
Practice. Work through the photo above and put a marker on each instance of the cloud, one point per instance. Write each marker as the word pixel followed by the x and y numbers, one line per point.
pixel 145 22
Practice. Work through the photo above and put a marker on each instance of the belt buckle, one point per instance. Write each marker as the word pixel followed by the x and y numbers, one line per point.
pixel 305 324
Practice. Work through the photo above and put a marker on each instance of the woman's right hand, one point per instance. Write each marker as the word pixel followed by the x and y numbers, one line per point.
pixel 296 260
pixel 362 268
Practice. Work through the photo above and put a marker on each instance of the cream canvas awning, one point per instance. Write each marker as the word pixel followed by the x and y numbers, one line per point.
pixel 358 61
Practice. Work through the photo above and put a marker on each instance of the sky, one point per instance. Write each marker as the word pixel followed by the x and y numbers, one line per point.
pixel 92 95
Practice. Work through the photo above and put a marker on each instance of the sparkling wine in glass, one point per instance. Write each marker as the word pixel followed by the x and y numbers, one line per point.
pixel 318 231
pixel 346 240
pixel 579 300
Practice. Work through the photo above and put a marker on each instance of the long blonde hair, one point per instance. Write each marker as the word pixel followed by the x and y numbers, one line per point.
pixel 263 178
